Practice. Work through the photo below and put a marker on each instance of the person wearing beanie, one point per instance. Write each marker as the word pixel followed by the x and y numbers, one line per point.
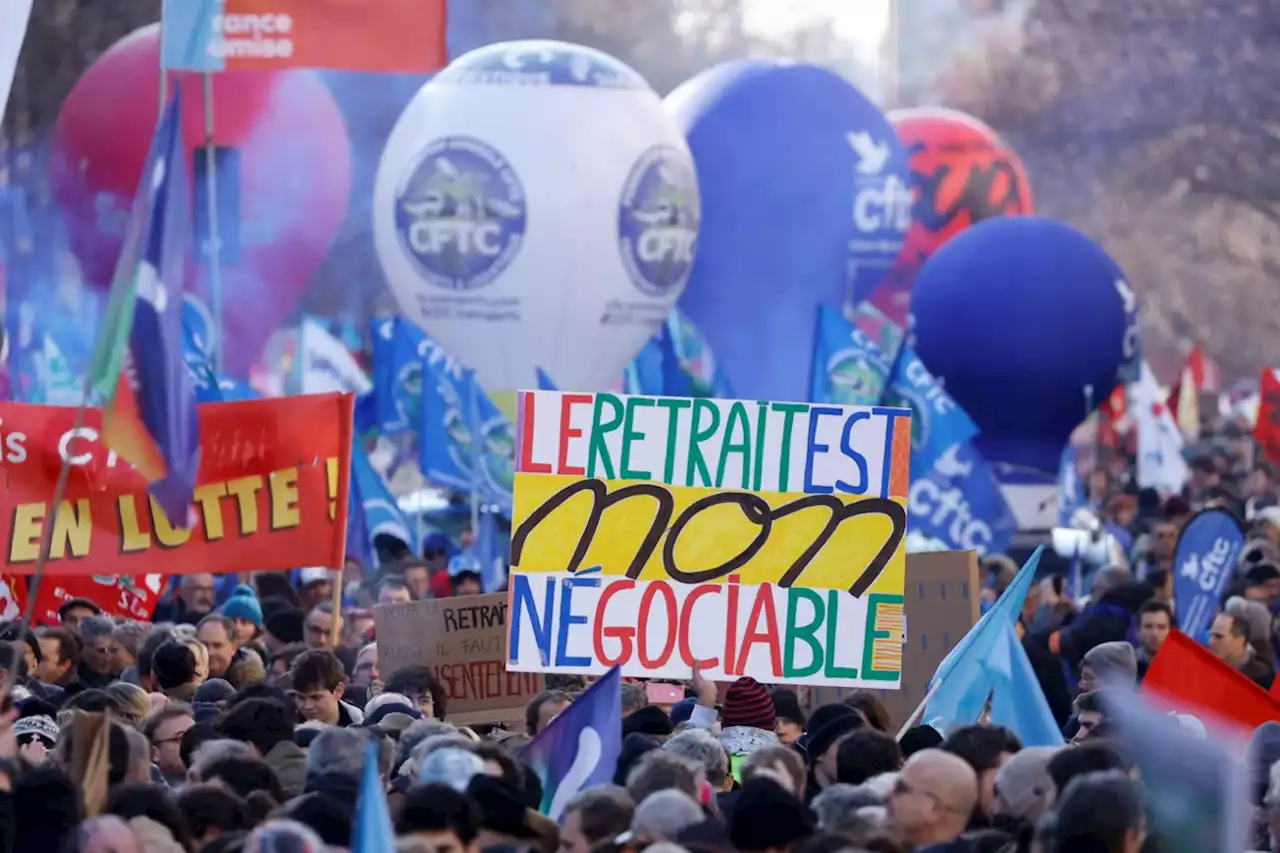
pixel 243 609
pixel 827 727
pixel 36 737
pixel 283 627
pixel 1105 663
pixel 1024 788
pixel 767 816
pixel 790 718
pixel 747 721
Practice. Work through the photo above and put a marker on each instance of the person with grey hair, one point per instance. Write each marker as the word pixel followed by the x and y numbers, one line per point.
pixel 660 770
pixel 335 759
pixel 1258 617
pixel 633 698
pixel 97 658
pixel 416 733
pixel 836 808
pixel 451 766
pixel 663 816
pixel 595 815
pixel 128 636
pixel 701 747
pixel 215 750
pixel 283 836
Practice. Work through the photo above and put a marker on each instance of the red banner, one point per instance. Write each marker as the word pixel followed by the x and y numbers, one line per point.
pixel 271 473
pixel 118 595
pixel 1193 681
pixel 1266 432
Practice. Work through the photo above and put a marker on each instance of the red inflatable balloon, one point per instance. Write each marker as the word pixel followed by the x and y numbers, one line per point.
pixel 961 173
pixel 283 171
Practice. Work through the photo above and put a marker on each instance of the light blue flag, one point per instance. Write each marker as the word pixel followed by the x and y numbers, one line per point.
pixel 1070 486
pixel 444 438
pixel 694 359
pixel 187 33
pixel 676 380
pixel 959 505
pixel 963 682
pixel 849 369
pixel 937 421
pixel 544 381
pixel 494 442
pixel 1017 700
pixel 373 832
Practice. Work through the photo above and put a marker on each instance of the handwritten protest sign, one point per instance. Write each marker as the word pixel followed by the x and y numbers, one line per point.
pixel 464 640
pixel 266 499
pixel 942 605
pixel 756 538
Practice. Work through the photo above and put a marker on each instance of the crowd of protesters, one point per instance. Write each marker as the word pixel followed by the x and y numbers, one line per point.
pixel 238 720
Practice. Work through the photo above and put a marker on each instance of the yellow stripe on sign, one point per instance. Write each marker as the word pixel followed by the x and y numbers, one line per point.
pixel 886 652
pixel 652 531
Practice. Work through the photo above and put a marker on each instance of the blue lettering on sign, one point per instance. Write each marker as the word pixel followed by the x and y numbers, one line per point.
pixel 461 213
pixel 569 619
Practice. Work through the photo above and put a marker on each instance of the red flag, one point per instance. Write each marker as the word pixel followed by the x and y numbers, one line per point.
pixel 1192 680
pixel 1266 432
pixel 1204 370
pixel 1110 414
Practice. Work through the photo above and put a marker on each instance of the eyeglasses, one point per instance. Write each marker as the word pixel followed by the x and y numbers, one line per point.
pixel 315 629
pixel 175 739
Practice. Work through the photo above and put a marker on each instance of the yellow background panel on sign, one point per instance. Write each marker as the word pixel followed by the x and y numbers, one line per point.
pixel 712 537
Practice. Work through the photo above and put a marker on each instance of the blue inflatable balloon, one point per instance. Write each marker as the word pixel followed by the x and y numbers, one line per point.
pixel 1019 316
pixel 805 202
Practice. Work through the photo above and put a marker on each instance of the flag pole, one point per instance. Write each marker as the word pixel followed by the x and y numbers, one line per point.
pixel 215 240
pixel 59 493
pixel 919 711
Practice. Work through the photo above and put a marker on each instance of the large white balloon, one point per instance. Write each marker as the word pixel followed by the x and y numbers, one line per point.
pixel 536 206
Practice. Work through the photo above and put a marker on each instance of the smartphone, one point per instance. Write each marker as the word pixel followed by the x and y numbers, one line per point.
pixel 663 694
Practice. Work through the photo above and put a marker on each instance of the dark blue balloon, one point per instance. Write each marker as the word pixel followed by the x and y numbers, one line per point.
pixel 805 201
pixel 1019 315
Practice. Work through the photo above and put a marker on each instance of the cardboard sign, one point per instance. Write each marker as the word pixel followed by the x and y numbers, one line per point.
pixel 265 501
pixel 942 605
pixel 757 538
pixel 464 640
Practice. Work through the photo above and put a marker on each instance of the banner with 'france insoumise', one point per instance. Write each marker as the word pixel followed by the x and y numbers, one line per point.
pixel 753 538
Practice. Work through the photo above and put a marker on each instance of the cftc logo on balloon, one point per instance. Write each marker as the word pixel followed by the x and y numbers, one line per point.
pixel 658 219
pixel 461 213
pixel 881 203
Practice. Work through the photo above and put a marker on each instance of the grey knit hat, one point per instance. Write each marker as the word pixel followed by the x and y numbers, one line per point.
pixel 1024 788
pixel 1113 661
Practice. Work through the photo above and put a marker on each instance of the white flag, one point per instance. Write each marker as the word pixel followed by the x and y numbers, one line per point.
pixel 14 15
pixel 326 364
pixel 1160 462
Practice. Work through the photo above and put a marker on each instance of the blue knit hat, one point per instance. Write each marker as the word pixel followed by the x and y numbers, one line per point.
pixel 243 604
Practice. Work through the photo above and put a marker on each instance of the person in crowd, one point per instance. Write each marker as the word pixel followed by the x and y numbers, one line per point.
pixel 319 626
pixel 872 709
pixel 125 640
pixel 932 800
pixel 144 675
pixel 701 747
pixel 418 575
pixel 1090 716
pixel 394 589
pixel 1161 583
pixel 1155 621
pixel 60 657
pixel 828 725
pixel 200 655
pixel 1229 640
pixel 782 764
pixel 1098 811
pixel 1115 662
pixel 174 667
pixel 544 708
pixel 366 672
pixel 74 610
pixel 467 581
pixel 315 587
pixel 866 753
pixel 194 601
pixel 165 729
pixel 318 681
pixel 282 627
pixel 245 612
pixel 217 633
pixel 420 686
pixel 1163 547
pixel 267 724
pixel 593 816
pixel 663 815
pixel 442 819
pixel 1258 617
pixel 985 749
pixel 97 658
pixel 791 719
